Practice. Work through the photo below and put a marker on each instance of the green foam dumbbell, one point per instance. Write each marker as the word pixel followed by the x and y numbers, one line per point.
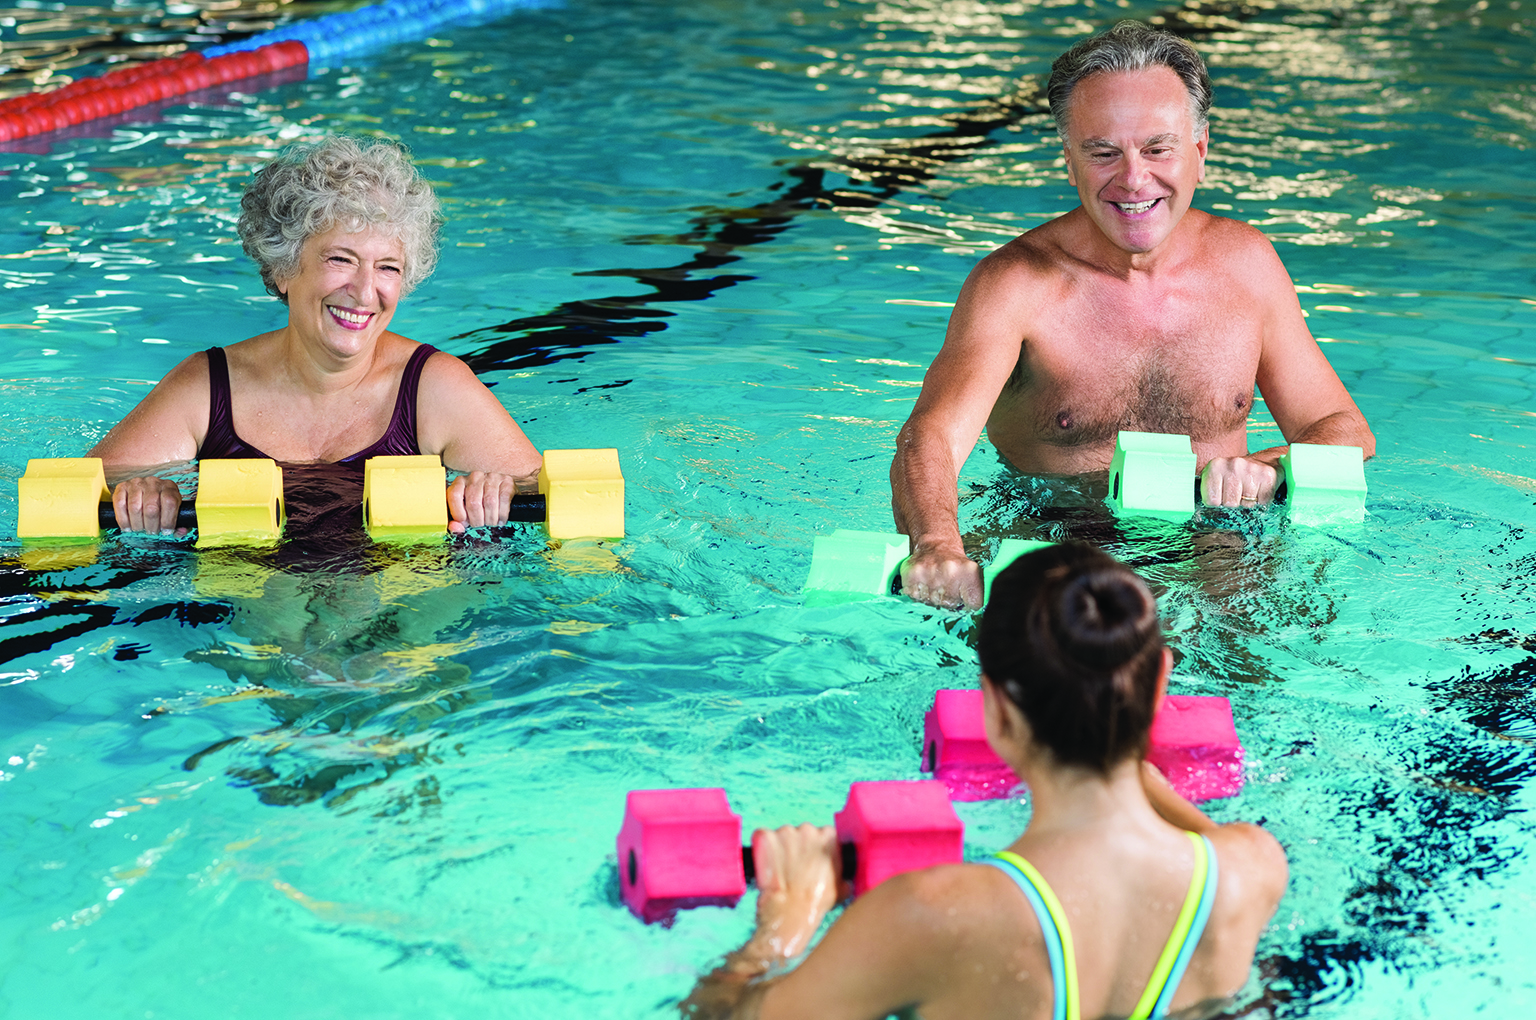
pixel 850 566
pixel 1324 484
pixel 1150 475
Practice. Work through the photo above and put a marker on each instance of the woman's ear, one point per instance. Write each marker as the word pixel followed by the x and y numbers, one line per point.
pixel 1004 722
pixel 992 712
pixel 1164 670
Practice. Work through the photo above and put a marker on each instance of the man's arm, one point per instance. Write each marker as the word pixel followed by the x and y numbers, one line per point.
pixel 980 351
pixel 1300 388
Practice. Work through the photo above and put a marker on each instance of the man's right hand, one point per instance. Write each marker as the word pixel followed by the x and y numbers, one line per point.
pixel 942 577
pixel 147 504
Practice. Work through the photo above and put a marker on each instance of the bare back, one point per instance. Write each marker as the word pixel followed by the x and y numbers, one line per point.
pixel 962 943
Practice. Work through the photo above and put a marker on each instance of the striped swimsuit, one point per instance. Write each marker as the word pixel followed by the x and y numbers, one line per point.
pixel 1058 934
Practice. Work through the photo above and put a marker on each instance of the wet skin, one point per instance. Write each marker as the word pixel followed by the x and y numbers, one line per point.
pixel 322 388
pixel 1132 311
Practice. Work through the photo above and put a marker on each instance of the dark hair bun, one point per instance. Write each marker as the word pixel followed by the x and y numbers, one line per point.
pixel 1103 618
pixel 1072 637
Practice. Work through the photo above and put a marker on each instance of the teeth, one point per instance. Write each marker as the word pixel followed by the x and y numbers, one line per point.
pixel 356 318
pixel 1137 207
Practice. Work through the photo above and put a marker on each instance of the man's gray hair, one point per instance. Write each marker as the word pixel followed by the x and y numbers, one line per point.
pixel 340 181
pixel 1130 46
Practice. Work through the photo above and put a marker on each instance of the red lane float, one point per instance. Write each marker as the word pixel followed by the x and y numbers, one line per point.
pixel 131 87
pixel 1193 742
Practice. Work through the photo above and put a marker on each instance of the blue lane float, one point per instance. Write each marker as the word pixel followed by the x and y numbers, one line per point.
pixel 321 42
pixel 336 36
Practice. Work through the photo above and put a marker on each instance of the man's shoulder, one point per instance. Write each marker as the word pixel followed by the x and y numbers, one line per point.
pixel 1036 257
pixel 1226 238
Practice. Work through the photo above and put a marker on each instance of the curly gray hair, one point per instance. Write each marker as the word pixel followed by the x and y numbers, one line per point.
pixel 311 187
pixel 1130 46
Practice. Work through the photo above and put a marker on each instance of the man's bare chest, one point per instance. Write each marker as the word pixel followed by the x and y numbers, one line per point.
pixel 1080 383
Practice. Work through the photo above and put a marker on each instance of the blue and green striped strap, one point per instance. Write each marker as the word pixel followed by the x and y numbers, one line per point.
pixel 1053 926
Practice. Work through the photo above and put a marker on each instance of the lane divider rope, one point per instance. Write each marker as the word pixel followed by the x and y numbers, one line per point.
pixel 318 42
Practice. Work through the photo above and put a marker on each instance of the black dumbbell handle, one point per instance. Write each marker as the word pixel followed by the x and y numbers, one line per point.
pixel 850 856
pixel 526 508
pixel 186 515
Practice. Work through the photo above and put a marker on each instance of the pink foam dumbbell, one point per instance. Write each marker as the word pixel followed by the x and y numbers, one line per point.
pixel 679 849
pixel 1193 742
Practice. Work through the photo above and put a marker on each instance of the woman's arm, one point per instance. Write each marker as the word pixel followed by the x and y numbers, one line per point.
pixel 165 429
pixel 463 421
pixel 891 950
pixel 1169 804
pixel 796 885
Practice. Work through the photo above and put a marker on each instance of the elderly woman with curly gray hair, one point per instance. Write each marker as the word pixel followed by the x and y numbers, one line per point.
pixel 342 231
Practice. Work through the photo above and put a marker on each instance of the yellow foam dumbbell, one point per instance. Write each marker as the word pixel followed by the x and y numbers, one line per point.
pixel 403 496
pixel 583 493
pixel 64 499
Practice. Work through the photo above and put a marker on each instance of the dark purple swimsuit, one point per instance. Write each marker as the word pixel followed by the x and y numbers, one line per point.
pixel 223 443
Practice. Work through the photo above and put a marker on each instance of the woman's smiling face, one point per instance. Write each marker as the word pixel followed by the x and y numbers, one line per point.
pixel 346 289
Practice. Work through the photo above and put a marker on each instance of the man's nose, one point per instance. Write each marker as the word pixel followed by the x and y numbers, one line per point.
pixel 1135 172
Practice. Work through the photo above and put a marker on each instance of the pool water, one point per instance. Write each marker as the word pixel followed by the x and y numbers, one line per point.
pixel 723 237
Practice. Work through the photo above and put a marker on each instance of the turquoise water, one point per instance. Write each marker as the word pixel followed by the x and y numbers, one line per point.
pixel 722 237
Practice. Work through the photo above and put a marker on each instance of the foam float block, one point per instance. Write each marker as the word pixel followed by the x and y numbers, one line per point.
pixel 956 752
pixel 897 826
pixel 1193 742
pixel 1008 550
pixel 239 502
pixel 1152 475
pixel 60 497
pixel 583 492
pixel 404 497
pixel 850 566
pixel 679 849
pixel 1324 484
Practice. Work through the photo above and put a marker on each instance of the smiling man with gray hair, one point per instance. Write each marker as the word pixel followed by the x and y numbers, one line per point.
pixel 1132 311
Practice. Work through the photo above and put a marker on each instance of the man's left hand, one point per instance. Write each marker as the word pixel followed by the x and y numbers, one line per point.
pixel 1237 481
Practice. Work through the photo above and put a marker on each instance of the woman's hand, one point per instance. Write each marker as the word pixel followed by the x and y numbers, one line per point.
pixel 147 504
pixel 797 883
pixel 479 498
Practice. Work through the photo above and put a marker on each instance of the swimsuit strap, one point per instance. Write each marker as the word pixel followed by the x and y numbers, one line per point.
pixel 221 440
pixel 1185 935
pixel 400 434
pixel 1053 926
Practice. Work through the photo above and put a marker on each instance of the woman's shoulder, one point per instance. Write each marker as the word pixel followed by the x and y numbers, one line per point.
pixel 1252 877
pixel 960 903
pixel 190 375
pixel 447 378
pixel 1252 857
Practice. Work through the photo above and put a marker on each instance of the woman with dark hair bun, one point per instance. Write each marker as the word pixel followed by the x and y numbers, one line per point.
pixel 1121 899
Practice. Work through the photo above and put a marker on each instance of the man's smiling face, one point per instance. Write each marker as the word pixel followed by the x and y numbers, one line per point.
pixel 1133 155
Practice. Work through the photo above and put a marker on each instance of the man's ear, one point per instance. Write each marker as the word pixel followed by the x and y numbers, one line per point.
pixel 1202 147
pixel 1164 670
pixel 1066 155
